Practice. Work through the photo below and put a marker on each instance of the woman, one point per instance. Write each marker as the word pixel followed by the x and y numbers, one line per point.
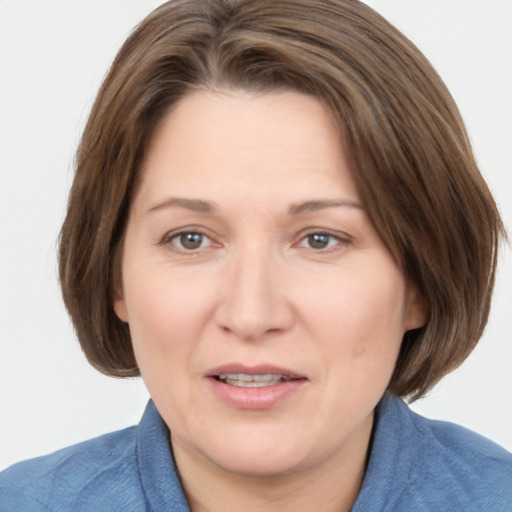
pixel 277 221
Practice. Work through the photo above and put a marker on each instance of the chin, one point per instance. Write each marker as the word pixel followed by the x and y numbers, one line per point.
pixel 251 465
pixel 257 454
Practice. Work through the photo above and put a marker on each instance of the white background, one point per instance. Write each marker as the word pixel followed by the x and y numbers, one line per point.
pixel 53 55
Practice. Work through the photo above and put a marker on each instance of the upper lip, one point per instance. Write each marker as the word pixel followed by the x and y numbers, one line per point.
pixel 260 369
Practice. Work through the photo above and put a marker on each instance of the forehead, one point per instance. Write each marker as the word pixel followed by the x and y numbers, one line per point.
pixel 216 145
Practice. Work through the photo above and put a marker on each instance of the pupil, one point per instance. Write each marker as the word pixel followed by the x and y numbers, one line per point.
pixel 191 240
pixel 318 241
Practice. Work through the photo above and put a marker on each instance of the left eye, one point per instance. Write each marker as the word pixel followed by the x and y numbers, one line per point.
pixel 190 240
pixel 319 241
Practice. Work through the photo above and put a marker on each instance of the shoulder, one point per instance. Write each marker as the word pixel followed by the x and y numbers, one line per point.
pixel 76 477
pixel 420 464
pixel 464 449
pixel 464 467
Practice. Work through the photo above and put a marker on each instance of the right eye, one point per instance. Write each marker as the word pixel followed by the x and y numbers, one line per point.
pixel 188 241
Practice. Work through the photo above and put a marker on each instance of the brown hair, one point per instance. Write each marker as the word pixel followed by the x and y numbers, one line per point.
pixel 409 152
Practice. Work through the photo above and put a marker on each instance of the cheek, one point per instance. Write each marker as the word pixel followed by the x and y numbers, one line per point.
pixel 165 331
pixel 159 296
pixel 160 317
pixel 359 315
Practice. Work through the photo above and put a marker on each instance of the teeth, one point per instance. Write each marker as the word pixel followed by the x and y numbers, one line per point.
pixel 252 381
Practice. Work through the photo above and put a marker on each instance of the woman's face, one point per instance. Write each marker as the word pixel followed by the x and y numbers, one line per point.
pixel 266 313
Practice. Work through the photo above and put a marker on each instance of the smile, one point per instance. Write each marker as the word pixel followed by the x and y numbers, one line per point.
pixel 255 387
pixel 245 380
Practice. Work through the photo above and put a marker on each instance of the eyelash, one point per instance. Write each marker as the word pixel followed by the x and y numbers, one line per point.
pixel 171 238
pixel 339 240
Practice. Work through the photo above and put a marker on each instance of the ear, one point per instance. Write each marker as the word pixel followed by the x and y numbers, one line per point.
pixel 416 312
pixel 120 306
pixel 118 301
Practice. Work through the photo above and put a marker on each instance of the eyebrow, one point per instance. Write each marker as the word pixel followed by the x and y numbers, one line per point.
pixel 202 206
pixel 196 205
pixel 321 204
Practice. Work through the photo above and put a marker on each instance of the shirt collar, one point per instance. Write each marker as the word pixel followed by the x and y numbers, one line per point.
pixel 157 469
pixel 389 465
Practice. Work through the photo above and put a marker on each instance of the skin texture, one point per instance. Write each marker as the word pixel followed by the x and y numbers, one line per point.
pixel 259 289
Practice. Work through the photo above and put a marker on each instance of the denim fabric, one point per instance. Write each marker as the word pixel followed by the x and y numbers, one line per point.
pixel 418 464
pixel 415 465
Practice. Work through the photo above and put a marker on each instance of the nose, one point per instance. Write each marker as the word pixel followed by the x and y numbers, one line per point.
pixel 254 302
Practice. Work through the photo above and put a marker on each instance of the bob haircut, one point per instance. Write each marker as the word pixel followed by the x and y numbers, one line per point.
pixel 408 151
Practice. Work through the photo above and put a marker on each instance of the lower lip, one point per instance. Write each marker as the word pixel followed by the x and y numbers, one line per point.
pixel 263 397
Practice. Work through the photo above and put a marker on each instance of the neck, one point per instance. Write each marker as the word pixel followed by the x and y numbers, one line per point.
pixel 331 484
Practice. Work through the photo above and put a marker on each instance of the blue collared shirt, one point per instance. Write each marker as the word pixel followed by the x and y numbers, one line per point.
pixel 415 465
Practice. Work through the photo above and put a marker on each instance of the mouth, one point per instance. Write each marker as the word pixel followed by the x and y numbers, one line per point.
pixel 259 376
pixel 259 387
pixel 245 380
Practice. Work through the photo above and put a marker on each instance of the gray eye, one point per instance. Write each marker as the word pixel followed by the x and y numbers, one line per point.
pixel 319 240
pixel 190 241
